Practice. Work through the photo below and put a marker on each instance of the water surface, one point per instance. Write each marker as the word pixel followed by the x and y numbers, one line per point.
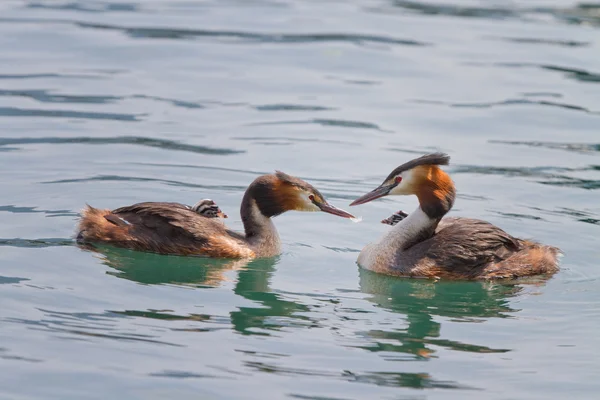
pixel 111 103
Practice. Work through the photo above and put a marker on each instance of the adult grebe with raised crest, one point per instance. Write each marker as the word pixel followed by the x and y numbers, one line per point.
pixel 425 244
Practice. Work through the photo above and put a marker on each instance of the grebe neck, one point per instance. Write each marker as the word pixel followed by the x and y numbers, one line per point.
pixel 415 228
pixel 261 234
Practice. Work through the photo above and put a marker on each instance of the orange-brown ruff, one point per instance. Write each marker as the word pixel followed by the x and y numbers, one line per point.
pixel 173 228
pixel 424 244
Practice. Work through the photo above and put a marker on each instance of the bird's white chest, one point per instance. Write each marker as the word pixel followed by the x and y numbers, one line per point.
pixel 381 256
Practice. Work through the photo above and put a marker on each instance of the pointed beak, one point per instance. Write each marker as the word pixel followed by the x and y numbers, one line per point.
pixel 381 191
pixel 328 208
pixel 221 214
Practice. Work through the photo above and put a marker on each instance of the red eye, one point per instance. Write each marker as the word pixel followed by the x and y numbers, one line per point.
pixel 311 197
pixel 398 179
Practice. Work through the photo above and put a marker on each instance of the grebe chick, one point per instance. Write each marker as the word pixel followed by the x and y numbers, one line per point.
pixel 394 218
pixel 173 228
pixel 424 244
pixel 208 208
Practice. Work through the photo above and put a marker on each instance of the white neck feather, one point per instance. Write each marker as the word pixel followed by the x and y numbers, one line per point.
pixel 381 255
pixel 406 230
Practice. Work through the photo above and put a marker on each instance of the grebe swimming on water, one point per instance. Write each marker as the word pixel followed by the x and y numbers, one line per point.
pixel 173 228
pixel 424 244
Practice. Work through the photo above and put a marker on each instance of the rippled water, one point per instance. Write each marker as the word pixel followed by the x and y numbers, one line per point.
pixel 118 102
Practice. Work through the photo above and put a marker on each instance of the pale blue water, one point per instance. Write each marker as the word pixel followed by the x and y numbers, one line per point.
pixel 113 103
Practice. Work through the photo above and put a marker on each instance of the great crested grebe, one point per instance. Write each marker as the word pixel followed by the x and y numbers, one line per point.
pixel 208 208
pixel 422 244
pixel 173 228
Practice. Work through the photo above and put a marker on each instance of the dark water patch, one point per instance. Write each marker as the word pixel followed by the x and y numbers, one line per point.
pixel 518 216
pixel 578 215
pixel 37 243
pixel 353 81
pixel 4 280
pixel 261 354
pixel 342 249
pixel 83 324
pixel 326 122
pixel 576 147
pixel 24 112
pixel 26 210
pixel 164 316
pixel 89 7
pixel 542 94
pixel 173 33
pixel 5 356
pixel 472 197
pixel 574 73
pixel 44 96
pixel 174 102
pixel 48 75
pixel 509 171
pixel 291 107
pixel 584 13
pixel 403 379
pixel 389 379
pixel 543 41
pixel 183 375
pixel 589 184
pixel 550 174
pixel 120 178
pixel 569 72
pixel 456 10
pixel 163 144
pixel 510 102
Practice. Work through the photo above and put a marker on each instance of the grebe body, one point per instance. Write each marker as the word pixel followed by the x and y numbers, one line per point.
pixel 425 244
pixel 173 228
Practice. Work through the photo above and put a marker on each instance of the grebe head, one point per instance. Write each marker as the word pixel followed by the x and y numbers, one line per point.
pixel 420 177
pixel 209 209
pixel 280 192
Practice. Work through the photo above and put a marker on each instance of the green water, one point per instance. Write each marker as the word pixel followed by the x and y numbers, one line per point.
pixel 112 103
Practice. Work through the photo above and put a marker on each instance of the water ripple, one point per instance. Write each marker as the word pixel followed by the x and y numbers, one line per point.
pixel 291 107
pixel 285 38
pixel 325 122
pixel 570 72
pixel 583 13
pixel 553 42
pixel 510 102
pixel 576 147
pixel 85 324
pixel 11 280
pixel 548 174
pixel 17 210
pixel 24 112
pixel 44 97
pixel 120 178
pixel 49 75
pixel 36 243
pixel 94 7
pixel 163 144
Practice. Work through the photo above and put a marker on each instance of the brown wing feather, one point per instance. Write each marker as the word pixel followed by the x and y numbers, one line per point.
pixel 167 228
pixel 464 248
